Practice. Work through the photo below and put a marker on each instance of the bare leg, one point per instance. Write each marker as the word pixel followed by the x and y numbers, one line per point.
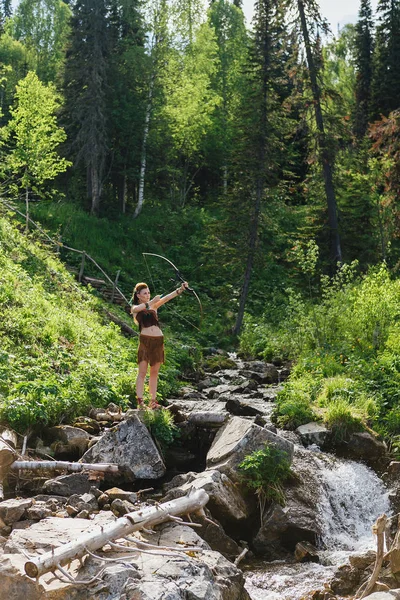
pixel 153 381
pixel 142 370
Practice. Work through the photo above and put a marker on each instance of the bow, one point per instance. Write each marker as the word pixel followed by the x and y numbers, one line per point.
pixel 179 277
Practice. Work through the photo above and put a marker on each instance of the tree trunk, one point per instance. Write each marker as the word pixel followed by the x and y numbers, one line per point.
pixel 142 174
pixel 335 249
pixel 27 207
pixel 34 465
pixel 95 190
pixel 260 184
pixel 134 521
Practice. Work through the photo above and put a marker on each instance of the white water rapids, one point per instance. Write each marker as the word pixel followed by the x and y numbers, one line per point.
pixel 352 498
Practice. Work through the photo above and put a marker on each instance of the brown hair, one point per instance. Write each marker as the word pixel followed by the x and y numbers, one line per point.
pixel 138 288
pixel 135 300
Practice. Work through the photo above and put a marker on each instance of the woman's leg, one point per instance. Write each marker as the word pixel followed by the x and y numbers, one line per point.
pixel 153 382
pixel 142 370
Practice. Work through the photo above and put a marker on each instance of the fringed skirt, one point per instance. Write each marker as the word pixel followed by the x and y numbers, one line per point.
pixel 151 349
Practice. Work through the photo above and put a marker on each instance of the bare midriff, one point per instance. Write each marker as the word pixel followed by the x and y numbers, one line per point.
pixel 153 331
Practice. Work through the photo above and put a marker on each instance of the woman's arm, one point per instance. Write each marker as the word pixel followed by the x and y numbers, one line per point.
pixel 160 301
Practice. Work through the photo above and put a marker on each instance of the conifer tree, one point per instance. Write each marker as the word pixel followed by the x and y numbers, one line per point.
pixel 6 8
pixel 258 150
pixel 85 92
pixel 363 60
pixel 386 63
pixel 310 19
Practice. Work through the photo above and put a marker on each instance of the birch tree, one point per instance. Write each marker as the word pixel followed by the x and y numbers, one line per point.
pixel 33 136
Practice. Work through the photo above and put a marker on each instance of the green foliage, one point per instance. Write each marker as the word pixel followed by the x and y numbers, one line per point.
pixel 264 472
pixel 293 404
pixel 33 135
pixel 341 420
pixel 160 423
pixel 59 356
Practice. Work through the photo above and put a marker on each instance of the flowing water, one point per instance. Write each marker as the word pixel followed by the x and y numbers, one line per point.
pixel 352 498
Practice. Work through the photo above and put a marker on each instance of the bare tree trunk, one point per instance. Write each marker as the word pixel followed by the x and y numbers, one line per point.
pixel 260 184
pixel 27 207
pixel 124 194
pixel 34 465
pixel 142 174
pixel 95 190
pixel 335 248
pixel 146 517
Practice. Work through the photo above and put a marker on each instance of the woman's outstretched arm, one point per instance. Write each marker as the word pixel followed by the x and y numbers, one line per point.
pixel 160 301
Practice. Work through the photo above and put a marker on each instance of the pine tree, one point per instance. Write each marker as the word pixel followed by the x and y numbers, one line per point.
pixel 386 62
pixel 85 89
pixel 259 148
pixel 363 60
pixel 6 8
pixel 310 19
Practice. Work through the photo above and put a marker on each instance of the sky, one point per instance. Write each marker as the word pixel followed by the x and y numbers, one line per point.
pixel 338 12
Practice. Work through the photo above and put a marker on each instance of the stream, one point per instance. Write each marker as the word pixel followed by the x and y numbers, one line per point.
pixel 353 497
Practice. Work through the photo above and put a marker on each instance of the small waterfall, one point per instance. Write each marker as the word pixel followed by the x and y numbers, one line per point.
pixel 352 497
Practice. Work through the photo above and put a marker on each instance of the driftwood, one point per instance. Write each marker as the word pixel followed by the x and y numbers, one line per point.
pixel 129 523
pixel 60 464
pixel 379 530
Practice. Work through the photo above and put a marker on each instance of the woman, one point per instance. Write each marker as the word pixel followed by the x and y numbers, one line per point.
pixel 151 341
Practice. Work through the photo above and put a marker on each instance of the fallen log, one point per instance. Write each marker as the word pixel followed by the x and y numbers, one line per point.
pixel 129 523
pixel 60 464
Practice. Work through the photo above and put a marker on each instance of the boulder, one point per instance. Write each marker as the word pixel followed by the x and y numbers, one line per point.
pixel 204 575
pixel 237 439
pixel 241 408
pixel 68 439
pixel 313 433
pixel 67 485
pixel 299 520
pixel 225 503
pixel 365 447
pixel 130 446
pixel 15 509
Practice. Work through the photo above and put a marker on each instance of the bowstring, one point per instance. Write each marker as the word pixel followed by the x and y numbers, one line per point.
pixel 172 310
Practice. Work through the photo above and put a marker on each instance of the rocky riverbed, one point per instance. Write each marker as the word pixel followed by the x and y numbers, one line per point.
pixel 221 419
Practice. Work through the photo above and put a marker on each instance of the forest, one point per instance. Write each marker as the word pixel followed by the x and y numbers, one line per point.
pixel 262 159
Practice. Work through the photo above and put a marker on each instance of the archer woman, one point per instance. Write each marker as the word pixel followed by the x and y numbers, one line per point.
pixel 151 340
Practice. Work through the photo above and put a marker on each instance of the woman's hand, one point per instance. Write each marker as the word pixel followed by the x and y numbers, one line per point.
pixel 184 286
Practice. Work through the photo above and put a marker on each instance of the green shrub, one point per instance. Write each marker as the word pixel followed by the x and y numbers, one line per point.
pixel 294 403
pixel 161 425
pixel 264 471
pixel 341 420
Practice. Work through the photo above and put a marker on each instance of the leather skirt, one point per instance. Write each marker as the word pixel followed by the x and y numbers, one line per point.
pixel 151 349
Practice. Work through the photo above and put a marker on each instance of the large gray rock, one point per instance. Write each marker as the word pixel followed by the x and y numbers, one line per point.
pixel 225 504
pixel 364 446
pixel 14 510
pixel 299 520
pixel 313 433
pixel 66 485
pixel 67 438
pixel 237 439
pixel 206 576
pixel 130 446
